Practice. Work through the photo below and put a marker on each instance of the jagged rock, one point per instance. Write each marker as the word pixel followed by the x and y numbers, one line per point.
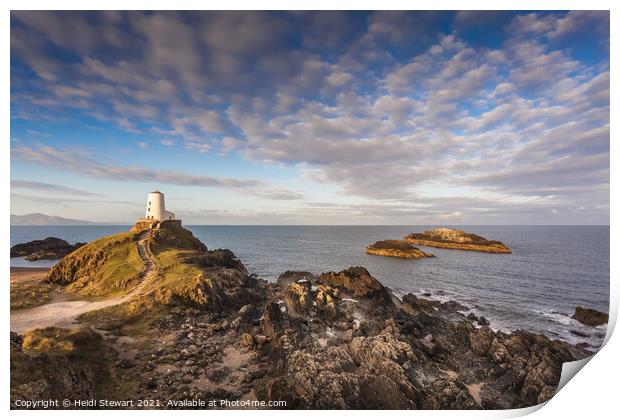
pixel 590 317
pixel 358 282
pixel 54 363
pixel 481 340
pixel 415 303
pixel 247 314
pixel 289 277
pixel 219 258
pixel 298 299
pixel 325 300
pixel 271 321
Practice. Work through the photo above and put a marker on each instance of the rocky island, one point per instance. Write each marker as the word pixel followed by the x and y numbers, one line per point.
pixel 45 249
pixel 179 322
pixel 397 249
pixel 456 239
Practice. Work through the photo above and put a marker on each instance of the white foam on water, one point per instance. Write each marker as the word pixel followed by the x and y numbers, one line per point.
pixel 555 316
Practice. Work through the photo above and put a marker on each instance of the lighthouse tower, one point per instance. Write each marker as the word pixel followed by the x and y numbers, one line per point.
pixel 156 208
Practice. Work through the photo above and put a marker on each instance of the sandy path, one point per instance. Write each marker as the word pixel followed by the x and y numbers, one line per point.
pixel 63 314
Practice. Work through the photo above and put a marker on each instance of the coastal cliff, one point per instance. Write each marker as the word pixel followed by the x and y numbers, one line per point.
pixel 197 326
pixel 396 249
pixel 457 239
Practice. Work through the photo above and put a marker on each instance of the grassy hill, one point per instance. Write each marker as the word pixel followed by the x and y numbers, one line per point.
pixel 151 270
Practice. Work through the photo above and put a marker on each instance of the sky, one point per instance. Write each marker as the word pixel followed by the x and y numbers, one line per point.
pixel 447 118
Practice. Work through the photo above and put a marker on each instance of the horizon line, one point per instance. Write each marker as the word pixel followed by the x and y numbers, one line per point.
pixel 318 225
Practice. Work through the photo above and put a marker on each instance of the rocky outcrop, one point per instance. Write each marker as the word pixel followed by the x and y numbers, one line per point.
pixel 590 317
pixel 397 249
pixel 103 267
pixel 356 282
pixel 187 274
pixel 457 239
pixel 203 329
pixel 415 353
pixel 46 249
pixel 56 364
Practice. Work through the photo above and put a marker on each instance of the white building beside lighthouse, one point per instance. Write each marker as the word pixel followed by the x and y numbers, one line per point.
pixel 156 207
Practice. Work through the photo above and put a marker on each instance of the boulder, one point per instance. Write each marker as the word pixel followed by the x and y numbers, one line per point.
pixel 358 282
pixel 483 321
pixel 590 317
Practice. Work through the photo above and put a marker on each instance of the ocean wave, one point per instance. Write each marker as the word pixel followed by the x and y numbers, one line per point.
pixel 559 317
pixel 569 330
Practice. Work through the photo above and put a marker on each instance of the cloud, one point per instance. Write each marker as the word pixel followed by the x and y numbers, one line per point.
pixel 380 105
pixel 555 27
pixel 79 163
pixel 50 188
pixel 65 200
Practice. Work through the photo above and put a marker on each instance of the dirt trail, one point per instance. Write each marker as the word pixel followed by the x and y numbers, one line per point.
pixel 63 314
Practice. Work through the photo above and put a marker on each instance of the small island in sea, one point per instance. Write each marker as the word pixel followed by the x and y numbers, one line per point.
pixel 397 249
pixel 456 239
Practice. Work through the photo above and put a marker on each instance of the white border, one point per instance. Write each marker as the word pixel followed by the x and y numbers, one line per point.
pixel 593 394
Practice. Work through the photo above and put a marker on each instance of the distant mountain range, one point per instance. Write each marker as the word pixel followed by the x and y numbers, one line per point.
pixel 44 219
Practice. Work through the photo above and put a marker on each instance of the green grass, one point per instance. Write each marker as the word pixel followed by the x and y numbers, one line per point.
pixel 175 279
pixel 112 275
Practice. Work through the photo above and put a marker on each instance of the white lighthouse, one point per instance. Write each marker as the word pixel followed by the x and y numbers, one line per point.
pixel 156 208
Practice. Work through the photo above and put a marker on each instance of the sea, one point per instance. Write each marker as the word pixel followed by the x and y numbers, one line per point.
pixel 552 269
